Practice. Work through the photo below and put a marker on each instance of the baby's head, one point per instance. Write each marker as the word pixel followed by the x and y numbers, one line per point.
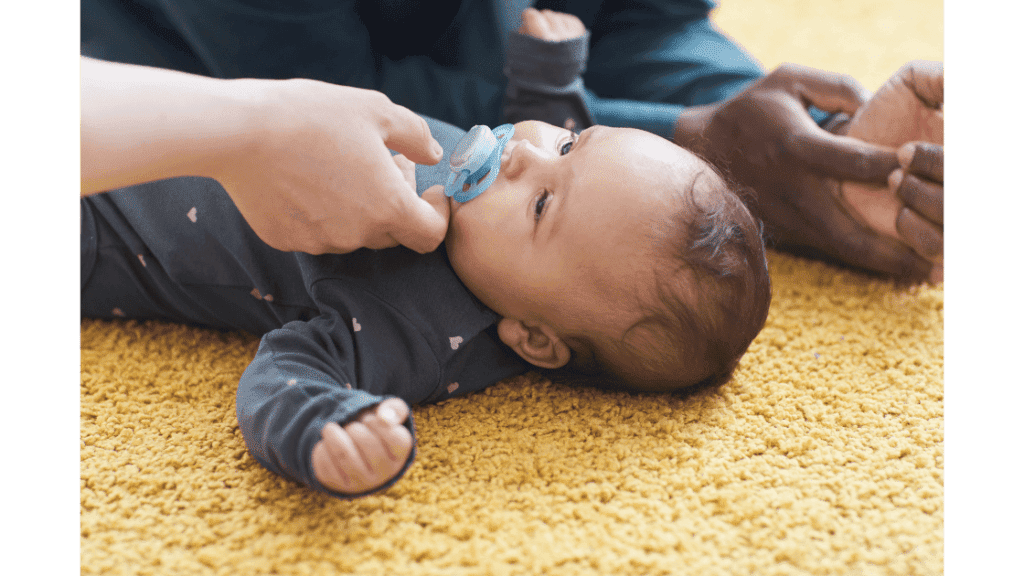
pixel 616 254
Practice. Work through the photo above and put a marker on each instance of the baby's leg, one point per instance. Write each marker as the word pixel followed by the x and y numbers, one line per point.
pixel 112 286
pixel 118 276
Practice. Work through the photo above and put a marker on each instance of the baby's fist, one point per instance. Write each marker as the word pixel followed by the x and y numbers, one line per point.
pixel 365 453
pixel 550 25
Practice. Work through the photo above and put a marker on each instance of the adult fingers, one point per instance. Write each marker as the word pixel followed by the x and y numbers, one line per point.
pixel 922 196
pixel 924 77
pixel 841 157
pixel 419 224
pixel 920 234
pixel 862 247
pixel 407 168
pixel 827 90
pixel 922 158
pixel 408 134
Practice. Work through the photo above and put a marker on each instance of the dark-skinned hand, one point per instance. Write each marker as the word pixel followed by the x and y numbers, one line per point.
pixel 906 114
pixel 767 141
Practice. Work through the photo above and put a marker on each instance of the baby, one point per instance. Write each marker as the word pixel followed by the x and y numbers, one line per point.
pixel 612 254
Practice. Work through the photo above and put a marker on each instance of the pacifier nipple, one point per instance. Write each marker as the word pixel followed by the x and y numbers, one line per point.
pixel 476 160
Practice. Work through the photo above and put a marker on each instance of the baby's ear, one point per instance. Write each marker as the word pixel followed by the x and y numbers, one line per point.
pixel 537 343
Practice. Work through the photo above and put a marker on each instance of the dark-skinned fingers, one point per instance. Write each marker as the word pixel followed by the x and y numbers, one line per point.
pixel 864 248
pixel 922 196
pixel 923 236
pixel 827 90
pixel 346 456
pixel 925 78
pixel 841 157
pixel 923 158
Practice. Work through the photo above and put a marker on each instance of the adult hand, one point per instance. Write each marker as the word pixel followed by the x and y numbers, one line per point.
pixel 306 162
pixel 319 177
pixel 906 113
pixel 365 453
pixel 767 141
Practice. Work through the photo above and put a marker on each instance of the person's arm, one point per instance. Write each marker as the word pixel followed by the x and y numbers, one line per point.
pixel 141 124
pixel 764 138
pixel 543 63
pixel 651 59
pixel 307 163
pixel 304 413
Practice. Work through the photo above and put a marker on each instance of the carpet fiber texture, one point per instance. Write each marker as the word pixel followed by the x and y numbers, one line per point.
pixel 823 455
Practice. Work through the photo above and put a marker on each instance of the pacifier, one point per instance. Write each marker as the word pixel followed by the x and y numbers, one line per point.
pixel 478 154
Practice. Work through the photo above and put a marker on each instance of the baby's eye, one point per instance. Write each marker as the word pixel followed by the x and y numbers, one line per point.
pixel 538 207
pixel 567 146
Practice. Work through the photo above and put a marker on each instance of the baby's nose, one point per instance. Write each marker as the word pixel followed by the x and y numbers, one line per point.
pixel 520 155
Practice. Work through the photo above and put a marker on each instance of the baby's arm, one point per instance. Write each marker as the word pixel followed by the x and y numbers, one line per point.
pixel 304 417
pixel 545 61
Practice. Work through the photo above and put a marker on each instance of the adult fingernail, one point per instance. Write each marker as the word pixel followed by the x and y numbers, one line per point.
pixel 905 155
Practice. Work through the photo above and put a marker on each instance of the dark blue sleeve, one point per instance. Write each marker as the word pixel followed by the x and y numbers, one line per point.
pixel 302 377
pixel 649 59
pixel 319 39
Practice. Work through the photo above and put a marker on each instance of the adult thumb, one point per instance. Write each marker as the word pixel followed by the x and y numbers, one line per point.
pixel 425 221
pixel 408 134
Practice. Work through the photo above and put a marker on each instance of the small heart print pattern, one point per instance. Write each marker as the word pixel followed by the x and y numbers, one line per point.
pixel 455 341
pixel 453 387
pixel 356 326
pixel 192 214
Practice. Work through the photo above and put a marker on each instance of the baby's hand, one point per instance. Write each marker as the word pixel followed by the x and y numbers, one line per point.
pixel 365 453
pixel 550 25
pixel 907 109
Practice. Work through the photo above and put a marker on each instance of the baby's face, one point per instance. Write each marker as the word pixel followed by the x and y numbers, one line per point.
pixel 564 235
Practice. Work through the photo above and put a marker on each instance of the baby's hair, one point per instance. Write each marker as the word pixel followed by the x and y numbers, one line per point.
pixel 712 298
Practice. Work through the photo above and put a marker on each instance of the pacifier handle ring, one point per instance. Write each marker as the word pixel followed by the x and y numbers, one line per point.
pixel 466 153
pixel 456 180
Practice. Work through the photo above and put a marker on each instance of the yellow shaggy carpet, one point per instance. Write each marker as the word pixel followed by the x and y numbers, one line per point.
pixel 823 455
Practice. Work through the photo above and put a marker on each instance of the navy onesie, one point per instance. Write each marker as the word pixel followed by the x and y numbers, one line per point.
pixel 340 333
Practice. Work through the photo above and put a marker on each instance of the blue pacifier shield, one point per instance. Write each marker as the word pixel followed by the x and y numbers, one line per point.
pixel 476 160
